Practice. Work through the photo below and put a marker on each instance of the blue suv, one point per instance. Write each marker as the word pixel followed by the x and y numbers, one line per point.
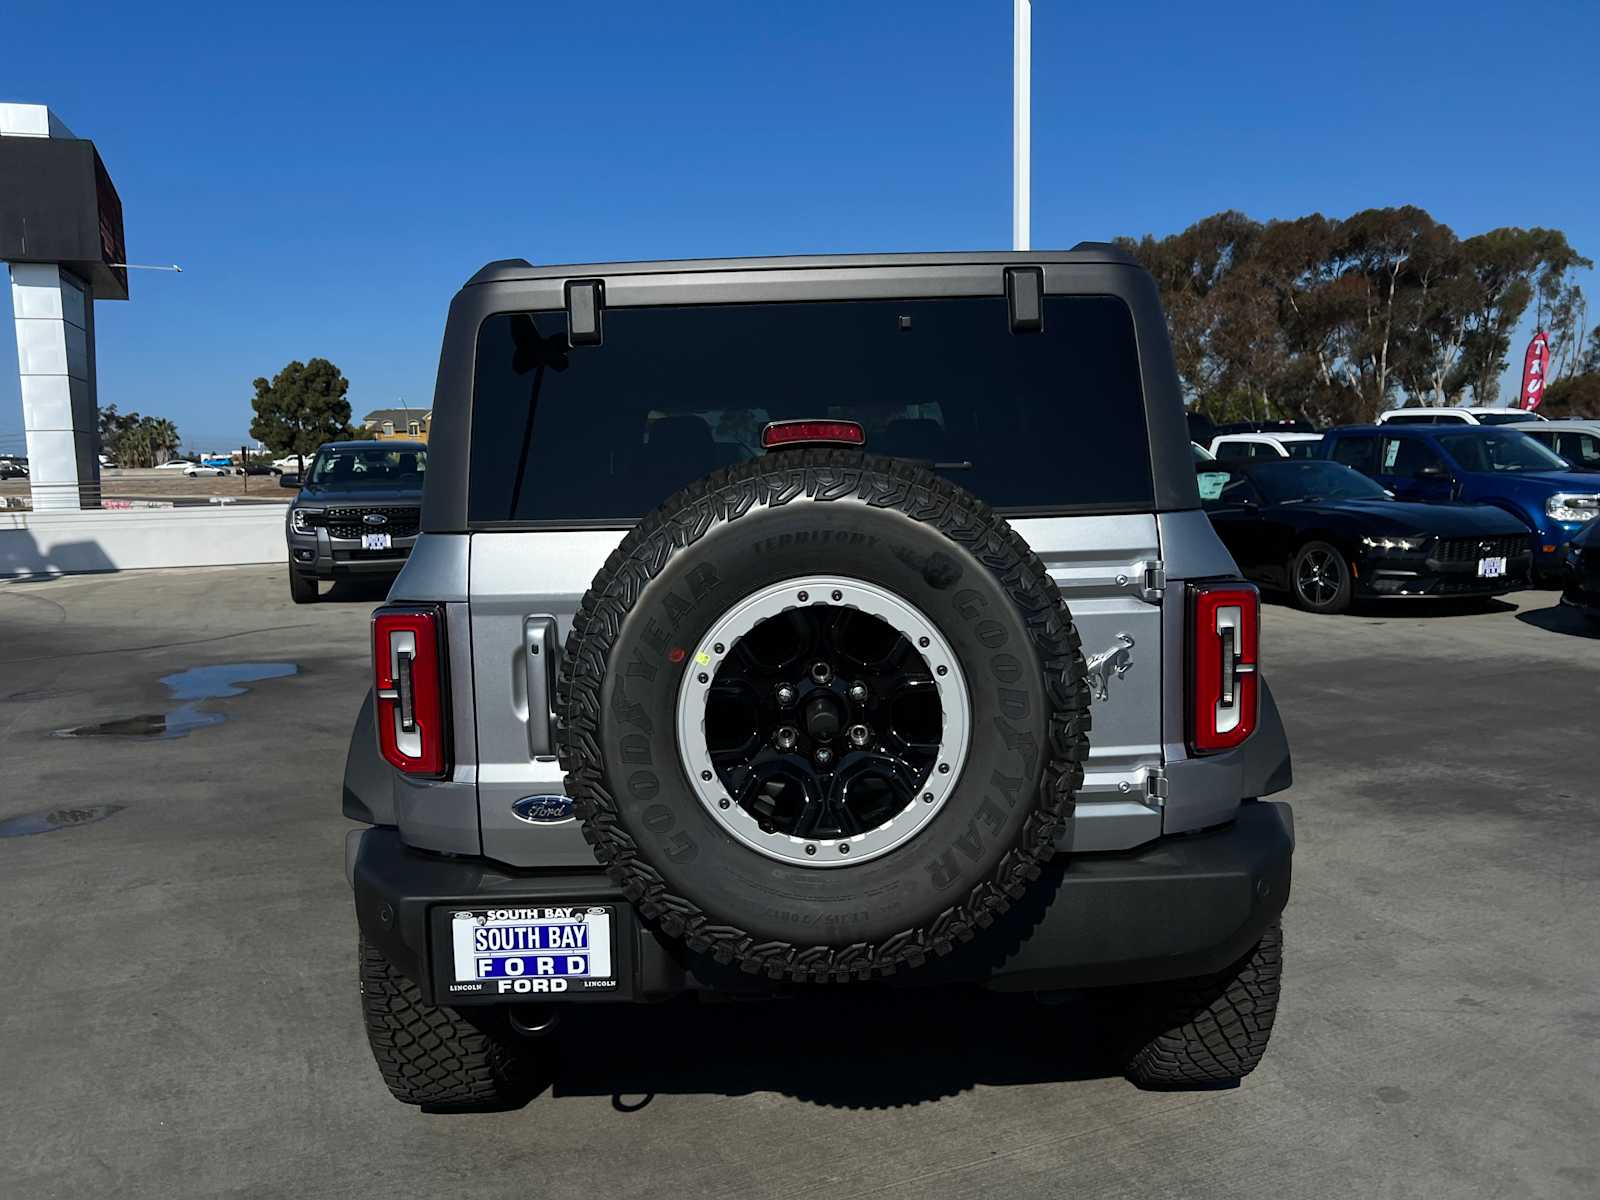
pixel 1478 464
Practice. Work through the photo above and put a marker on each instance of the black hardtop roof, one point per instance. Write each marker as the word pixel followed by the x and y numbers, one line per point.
pixel 507 270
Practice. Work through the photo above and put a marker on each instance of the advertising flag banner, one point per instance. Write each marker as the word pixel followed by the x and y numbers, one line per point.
pixel 1535 366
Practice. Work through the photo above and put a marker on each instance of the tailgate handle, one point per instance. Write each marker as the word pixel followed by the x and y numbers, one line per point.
pixel 541 653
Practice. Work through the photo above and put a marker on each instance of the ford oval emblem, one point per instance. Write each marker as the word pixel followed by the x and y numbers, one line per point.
pixel 375 519
pixel 543 810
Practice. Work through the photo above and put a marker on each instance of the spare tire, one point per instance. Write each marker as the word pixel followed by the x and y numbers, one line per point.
pixel 823 715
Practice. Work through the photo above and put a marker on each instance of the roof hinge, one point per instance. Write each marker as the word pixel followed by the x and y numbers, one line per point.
pixel 585 300
pixel 1025 299
pixel 1155 786
pixel 1154 583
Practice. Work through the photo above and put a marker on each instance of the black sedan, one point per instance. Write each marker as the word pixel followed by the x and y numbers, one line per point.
pixel 1583 574
pixel 1327 535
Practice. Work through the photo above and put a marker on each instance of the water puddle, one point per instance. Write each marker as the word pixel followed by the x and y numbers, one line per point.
pixel 61 818
pixel 193 687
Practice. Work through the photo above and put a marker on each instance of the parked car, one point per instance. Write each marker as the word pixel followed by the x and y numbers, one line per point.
pixel 12 469
pixel 176 464
pixel 1283 425
pixel 820 713
pixel 1328 536
pixel 1502 467
pixel 257 468
pixel 1231 447
pixel 197 470
pixel 1473 415
pixel 1575 440
pixel 291 462
pixel 357 512
pixel 1583 574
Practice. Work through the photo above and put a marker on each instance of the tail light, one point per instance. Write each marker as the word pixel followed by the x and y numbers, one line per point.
pixel 812 433
pixel 1224 689
pixel 409 681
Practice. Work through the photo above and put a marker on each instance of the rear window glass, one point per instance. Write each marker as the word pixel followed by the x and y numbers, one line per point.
pixel 1034 422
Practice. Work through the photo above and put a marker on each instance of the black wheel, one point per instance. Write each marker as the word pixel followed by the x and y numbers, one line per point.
pixel 440 1057
pixel 302 588
pixel 1319 579
pixel 1212 1030
pixel 823 716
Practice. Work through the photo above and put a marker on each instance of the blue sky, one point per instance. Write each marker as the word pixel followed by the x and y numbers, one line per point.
pixel 329 174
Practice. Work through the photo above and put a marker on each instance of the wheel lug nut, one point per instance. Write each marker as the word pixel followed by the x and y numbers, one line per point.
pixel 944 768
pixel 786 738
pixel 821 672
pixel 824 756
pixel 785 694
pixel 860 735
pixel 858 692
pixel 706 775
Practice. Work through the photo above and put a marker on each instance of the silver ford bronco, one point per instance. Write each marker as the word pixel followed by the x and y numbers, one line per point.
pixel 787 626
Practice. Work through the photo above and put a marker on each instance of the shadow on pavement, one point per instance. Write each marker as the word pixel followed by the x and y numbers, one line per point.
pixel 1420 606
pixel 1560 618
pixel 882 1049
pixel 358 590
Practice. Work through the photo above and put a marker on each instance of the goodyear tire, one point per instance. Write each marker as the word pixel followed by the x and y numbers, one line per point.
pixel 948 782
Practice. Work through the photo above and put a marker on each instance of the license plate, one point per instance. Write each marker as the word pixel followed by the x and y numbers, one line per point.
pixel 376 541
pixel 521 951
pixel 1491 568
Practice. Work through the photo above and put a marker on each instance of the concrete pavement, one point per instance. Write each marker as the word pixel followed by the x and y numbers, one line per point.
pixel 178 1012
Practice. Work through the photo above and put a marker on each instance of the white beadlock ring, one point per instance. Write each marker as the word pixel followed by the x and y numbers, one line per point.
pixel 893 610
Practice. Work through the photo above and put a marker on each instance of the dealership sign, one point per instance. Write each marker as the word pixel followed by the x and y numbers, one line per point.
pixel 1535 366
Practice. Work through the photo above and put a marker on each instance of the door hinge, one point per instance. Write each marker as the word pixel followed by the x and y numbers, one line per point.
pixel 1154 584
pixel 1155 786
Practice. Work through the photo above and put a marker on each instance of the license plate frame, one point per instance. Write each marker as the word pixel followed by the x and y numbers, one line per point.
pixel 1492 567
pixel 377 541
pixel 456 981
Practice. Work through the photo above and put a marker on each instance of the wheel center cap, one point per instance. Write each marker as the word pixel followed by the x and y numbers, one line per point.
pixel 824 716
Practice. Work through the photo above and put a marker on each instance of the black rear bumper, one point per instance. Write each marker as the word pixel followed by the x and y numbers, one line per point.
pixel 1183 906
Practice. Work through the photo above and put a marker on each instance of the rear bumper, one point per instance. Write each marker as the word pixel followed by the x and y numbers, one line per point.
pixel 1182 906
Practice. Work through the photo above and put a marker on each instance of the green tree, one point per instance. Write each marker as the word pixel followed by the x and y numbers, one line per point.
pixel 1574 396
pixel 303 406
pixel 136 441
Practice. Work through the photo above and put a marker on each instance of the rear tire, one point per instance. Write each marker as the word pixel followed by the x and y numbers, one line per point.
pixel 1320 580
pixel 1211 1030
pixel 302 590
pixel 439 1057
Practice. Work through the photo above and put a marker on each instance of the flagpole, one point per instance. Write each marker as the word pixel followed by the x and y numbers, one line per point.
pixel 1021 123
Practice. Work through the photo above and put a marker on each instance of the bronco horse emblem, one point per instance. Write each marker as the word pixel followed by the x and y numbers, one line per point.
pixel 1114 662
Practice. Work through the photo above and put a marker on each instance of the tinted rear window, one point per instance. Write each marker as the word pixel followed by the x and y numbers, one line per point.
pixel 1031 422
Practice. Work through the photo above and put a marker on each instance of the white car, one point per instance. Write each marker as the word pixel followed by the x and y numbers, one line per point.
pixel 1476 415
pixel 1575 439
pixel 290 462
pixel 195 470
pixel 1230 447
pixel 177 464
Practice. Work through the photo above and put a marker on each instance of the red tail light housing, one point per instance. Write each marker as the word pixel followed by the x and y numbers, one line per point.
pixel 409 688
pixel 1224 683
